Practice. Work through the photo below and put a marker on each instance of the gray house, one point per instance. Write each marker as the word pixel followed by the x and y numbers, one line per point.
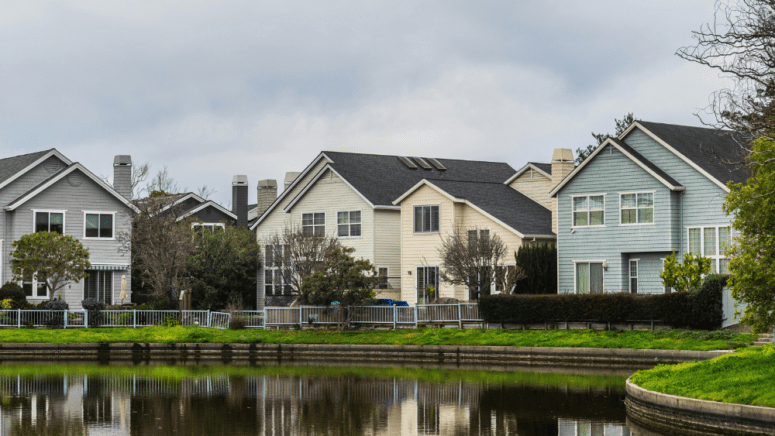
pixel 654 189
pixel 45 191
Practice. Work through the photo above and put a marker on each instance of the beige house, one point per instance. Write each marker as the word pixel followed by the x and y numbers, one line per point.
pixel 350 195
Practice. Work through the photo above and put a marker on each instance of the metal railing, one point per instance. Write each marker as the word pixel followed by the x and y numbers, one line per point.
pixel 113 318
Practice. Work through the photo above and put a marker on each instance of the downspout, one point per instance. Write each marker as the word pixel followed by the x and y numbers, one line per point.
pixel 681 224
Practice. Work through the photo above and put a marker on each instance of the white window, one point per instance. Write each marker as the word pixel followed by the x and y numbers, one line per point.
pixel 99 286
pixel 349 224
pixel 589 277
pixel 199 227
pixel 276 262
pixel 313 223
pixel 33 288
pixel 634 276
pixel 711 242
pixel 49 221
pixel 589 210
pixel 426 219
pixel 98 225
pixel 427 276
pixel 475 234
pixel 637 208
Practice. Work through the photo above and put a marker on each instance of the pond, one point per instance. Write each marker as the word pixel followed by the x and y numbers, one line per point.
pixel 273 399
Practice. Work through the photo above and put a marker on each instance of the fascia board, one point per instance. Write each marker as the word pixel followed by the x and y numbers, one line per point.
pixel 182 199
pixel 208 203
pixel 52 152
pixel 524 169
pixel 567 178
pixel 425 182
pixel 483 212
pixel 328 167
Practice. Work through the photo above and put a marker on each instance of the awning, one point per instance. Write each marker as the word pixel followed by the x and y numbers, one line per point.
pixel 104 267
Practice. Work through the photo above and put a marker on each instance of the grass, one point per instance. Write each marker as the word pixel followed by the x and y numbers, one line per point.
pixel 746 377
pixel 661 340
pixel 174 374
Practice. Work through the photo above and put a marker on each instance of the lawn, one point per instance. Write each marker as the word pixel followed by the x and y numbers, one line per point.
pixel 746 377
pixel 664 340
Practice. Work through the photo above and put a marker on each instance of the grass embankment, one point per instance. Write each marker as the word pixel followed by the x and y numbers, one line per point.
pixel 666 340
pixel 176 373
pixel 746 377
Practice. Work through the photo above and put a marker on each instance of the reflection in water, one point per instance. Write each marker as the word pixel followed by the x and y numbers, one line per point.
pixel 280 404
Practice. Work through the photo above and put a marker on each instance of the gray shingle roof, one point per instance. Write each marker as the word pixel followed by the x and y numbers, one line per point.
pixel 708 148
pixel 12 165
pixel 646 162
pixel 504 203
pixel 384 178
pixel 43 182
pixel 545 167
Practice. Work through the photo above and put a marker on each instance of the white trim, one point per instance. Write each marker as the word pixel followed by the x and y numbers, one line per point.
pixel 589 158
pixel 348 224
pixel 325 220
pixel 2 254
pixel 287 190
pixel 387 207
pixel 653 206
pixel 525 168
pixel 716 258
pixel 575 262
pixel 589 211
pixel 49 211
pixel 675 152
pixel 421 232
pixel 59 176
pixel 317 177
pixel 205 205
pixel 418 185
pixel 34 283
pixel 438 281
pixel 630 277
pixel 52 152
pixel 203 224
pixel 182 199
pixel 97 238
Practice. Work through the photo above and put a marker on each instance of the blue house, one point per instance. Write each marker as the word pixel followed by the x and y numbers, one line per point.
pixel 655 189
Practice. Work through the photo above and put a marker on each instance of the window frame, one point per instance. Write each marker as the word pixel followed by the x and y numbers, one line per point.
pixel 112 291
pixel 325 219
pixel 630 277
pixel 195 225
pixel 49 211
pixel 589 211
pixel 98 213
pixel 575 274
pixel 386 284
pixel 34 283
pixel 653 207
pixel 478 231
pixel 276 272
pixel 349 224
pixel 719 256
pixel 438 214
pixel 416 279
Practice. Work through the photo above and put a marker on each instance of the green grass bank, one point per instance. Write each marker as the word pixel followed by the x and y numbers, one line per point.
pixel 659 340
pixel 746 377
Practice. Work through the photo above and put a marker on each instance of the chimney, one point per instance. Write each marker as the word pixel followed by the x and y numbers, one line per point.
pixel 290 176
pixel 239 199
pixel 267 194
pixel 122 175
pixel 562 165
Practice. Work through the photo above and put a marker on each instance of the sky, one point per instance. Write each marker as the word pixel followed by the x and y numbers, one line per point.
pixel 211 89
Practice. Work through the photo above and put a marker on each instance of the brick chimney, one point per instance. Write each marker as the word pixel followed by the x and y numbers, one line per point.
pixel 290 176
pixel 267 194
pixel 562 165
pixel 122 175
pixel 239 199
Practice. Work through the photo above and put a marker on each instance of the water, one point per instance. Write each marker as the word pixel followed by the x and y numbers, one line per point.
pixel 62 399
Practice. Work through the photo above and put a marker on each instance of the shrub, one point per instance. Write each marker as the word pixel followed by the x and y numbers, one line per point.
pixel 12 291
pixel 237 323
pixel 94 308
pixel 125 319
pixel 170 321
pixel 539 263
pixel 698 310
pixel 55 319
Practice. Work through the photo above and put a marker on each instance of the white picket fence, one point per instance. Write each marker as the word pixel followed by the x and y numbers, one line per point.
pixel 271 317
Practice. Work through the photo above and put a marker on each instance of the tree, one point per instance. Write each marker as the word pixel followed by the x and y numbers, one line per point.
pixel 297 255
pixel 162 184
pixel 139 174
pixel 539 264
pixel 752 255
pixel 160 246
pixel 476 261
pixel 224 267
pixel 54 259
pixel 621 126
pixel 686 277
pixel 342 280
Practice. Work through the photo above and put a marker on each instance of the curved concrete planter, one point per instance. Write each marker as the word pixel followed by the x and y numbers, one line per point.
pixel 581 357
pixel 663 412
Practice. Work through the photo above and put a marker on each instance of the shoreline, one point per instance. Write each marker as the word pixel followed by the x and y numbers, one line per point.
pixel 579 357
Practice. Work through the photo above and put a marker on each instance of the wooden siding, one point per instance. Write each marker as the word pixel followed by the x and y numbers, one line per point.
pixel 211 214
pixel 535 186
pixel 387 243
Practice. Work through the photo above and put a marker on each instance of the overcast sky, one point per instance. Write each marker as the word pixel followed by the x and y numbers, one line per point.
pixel 216 88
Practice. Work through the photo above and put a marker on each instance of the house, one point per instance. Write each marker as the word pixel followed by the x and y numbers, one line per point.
pixel 655 189
pixel 46 191
pixel 352 196
pixel 490 200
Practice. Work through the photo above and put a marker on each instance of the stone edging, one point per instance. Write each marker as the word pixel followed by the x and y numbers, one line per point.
pixel 435 353
pixel 663 412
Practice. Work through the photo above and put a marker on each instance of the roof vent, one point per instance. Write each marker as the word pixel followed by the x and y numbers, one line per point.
pixel 437 164
pixel 408 162
pixel 422 163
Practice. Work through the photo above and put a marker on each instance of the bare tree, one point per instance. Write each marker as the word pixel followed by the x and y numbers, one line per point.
pixel 205 192
pixel 162 184
pixel 475 259
pixel 740 43
pixel 160 247
pixel 139 175
pixel 297 255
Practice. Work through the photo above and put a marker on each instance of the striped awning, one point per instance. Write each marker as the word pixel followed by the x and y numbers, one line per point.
pixel 104 267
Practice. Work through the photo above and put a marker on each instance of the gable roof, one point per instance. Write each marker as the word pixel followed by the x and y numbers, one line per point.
pixel 505 205
pixel 630 153
pixel 711 151
pixel 59 175
pixel 206 204
pixel 541 168
pixel 11 168
pixel 175 199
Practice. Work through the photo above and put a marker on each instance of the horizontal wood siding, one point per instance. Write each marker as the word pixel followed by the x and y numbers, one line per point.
pixel 210 214
pixel 387 243
pixel 535 186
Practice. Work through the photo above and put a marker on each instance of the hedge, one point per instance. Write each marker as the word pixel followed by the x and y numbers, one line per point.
pixel 699 310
